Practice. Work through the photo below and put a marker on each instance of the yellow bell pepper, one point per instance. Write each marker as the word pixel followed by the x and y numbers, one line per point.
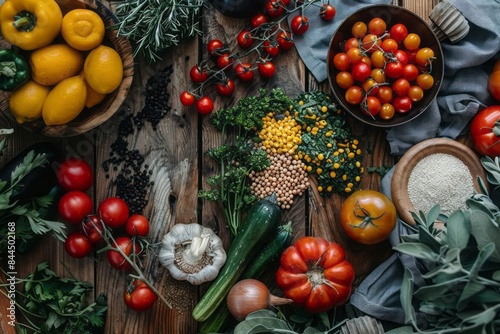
pixel 30 24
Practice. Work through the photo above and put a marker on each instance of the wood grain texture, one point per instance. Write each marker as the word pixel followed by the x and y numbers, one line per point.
pixel 174 153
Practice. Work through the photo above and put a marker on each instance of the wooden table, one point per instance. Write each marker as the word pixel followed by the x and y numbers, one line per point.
pixel 174 152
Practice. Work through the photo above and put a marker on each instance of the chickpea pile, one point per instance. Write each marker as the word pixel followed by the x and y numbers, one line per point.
pixel 285 177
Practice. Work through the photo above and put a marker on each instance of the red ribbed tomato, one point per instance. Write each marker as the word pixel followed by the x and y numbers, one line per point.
pixel 314 273
pixel 485 131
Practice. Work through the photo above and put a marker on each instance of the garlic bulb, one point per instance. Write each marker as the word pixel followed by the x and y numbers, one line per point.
pixel 192 253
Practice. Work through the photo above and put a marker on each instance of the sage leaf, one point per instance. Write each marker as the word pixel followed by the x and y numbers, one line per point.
pixel 261 325
pixel 496 275
pixel 312 330
pixel 434 291
pixel 480 319
pixel 406 295
pixel 420 251
pixel 485 231
pixel 482 206
pixel 457 230
pixel 483 256
pixel 471 288
pixel 426 238
pixel 401 330
pixel 433 215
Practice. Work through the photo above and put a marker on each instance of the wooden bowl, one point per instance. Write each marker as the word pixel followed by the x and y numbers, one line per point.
pixel 89 118
pixel 399 182
pixel 392 15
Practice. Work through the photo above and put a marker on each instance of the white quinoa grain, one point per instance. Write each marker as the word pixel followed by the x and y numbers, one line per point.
pixel 442 179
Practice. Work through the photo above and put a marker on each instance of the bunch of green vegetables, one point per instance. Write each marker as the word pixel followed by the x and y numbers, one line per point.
pixel 154 26
pixel 51 304
pixel 239 156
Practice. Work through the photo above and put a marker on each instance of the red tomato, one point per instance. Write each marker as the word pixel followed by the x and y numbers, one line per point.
pixel 77 245
pixel 361 71
pixel 205 105
pixel 257 20
pixel 389 45
pixel 130 250
pixel 245 39
pixel 372 106
pixel 402 104
pixel 424 56
pixel 354 95
pixel 139 297
pixel 266 69
pixel 377 26
pixel 394 69
pixel 225 61
pixel 243 71
pixel 74 206
pixel 299 24
pixel 137 225
pixel 484 131
pixel 401 87
pixel 368 216
pixel 198 74
pixel 272 50
pixel 333 274
pixel 225 89
pixel 75 174
pixel 285 40
pixel 274 8
pixel 359 29
pixel 341 61
pixel 187 98
pixel 92 227
pixel 215 47
pixel 327 12
pixel 398 32
pixel 402 56
pixel 410 72
pixel 113 211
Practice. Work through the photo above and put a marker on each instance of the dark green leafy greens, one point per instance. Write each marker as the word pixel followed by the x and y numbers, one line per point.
pixel 462 258
pixel 55 305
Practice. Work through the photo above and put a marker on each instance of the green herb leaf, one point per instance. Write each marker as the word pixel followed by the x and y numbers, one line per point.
pixel 406 297
pixel 418 250
pixel 486 231
pixel 457 230
pixel 262 321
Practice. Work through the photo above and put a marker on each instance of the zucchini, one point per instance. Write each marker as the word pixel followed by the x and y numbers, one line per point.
pixel 267 255
pixel 40 180
pixel 261 221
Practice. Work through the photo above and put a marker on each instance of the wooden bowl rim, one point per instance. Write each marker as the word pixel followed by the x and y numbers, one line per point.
pixel 399 181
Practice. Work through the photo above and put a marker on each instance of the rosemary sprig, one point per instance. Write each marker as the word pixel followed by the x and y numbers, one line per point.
pixel 154 26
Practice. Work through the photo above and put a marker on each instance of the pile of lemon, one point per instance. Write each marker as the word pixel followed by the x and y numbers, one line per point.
pixel 69 76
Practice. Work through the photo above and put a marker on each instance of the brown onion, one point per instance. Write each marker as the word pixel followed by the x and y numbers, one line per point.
pixel 250 295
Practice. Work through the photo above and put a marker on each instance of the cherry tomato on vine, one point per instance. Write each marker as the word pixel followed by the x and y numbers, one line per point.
pixel 394 69
pixel 402 104
pixel 378 59
pixel 387 111
pixel 424 56
pixel 370 43
pixel 137 225
pixel 378 75
pixel 266 69
pixel 415 93
pixel 243 71
pixel 285 40
pixel 351 43
pixel 299 24
pixel 93 229
pixel 274 8
pixel 377 26
pixel 385 94
pixel 245 39
pixel 344 79
pixel 341 61
pixel 214 47
pixel 205 105
pixel 368 216
pixel 77 245
pixel 359 29
pixel 75 174
pixel 74 206
pixel 270 49
pixel 187 99
pixel 257 20
pixel 372 106
pixel 410 72
pixel 355 56
pixel 401 87
pixel 398 32
pixel 327 12
pixel 361 71
pixel 225 61
pixel 129 248
pixel 226 88
pixel 138 296
pixel 354 95
pixel 370 87
pixel 412 41
pixel 425 80
pixel 389 45
pixel 198 74
pixel 113 211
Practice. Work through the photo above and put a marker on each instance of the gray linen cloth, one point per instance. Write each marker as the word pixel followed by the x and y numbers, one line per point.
pixel 463 93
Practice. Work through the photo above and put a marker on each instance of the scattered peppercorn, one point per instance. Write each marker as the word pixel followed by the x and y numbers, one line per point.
pixel 133 181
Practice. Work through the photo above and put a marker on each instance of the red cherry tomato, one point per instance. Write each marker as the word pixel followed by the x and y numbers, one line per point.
pixel 394 69
pixel 285 40
pixel 245 39
pixel 243 71
pixel 74 206
pixel 372 106
pixel 225 61
pixel 271 49
pixel 215 47
pixel 113 211
pixel 299 24
pixel 274 8
pixel 75 174
pixel 187 98
pixel 402 104
pixel 266 69
pixel 327 12
pixel 126 245
pixel 257 20
pixel 410 72
pixel 401 87
pixel 398 32
pixel 225 89
pixel 139 297
pixel 402 56
pixel 137 225
pixel 377 26
pixel 205 105
pixel 92 227
pixel 77 245
pixel 198 74
pixel 361 71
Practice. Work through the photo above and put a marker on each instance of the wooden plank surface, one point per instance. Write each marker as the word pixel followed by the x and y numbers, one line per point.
pixel 174 153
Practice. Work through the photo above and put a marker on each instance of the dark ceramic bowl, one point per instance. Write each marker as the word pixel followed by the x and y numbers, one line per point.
pixel 238 8
pixel 392 15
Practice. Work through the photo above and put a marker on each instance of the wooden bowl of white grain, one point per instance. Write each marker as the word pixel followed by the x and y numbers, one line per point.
pixel 435 171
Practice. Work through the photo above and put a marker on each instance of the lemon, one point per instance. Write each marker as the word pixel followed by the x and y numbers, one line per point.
pixel 93 97
pixel 83 29
pixel 54 63
pixel 65 101
pixel 103 69
pixel 26 102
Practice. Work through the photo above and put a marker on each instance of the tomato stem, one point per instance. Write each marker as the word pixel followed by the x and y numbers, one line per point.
pixel 365 215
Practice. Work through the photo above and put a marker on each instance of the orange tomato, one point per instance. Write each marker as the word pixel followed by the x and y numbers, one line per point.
pixel 494 81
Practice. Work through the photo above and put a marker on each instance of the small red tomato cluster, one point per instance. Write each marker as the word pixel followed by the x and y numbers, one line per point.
pixel 383 69
pixel 267 36
pixel 112 216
